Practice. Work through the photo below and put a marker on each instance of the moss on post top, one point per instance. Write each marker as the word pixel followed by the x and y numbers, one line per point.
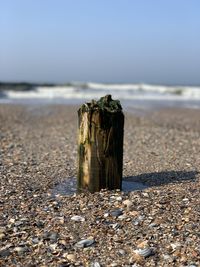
pixel 105 103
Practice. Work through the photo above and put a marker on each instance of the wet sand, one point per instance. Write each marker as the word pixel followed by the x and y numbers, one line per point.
pixel 39 152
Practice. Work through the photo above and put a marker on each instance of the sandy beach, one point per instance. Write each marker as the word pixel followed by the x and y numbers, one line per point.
pixel 157 226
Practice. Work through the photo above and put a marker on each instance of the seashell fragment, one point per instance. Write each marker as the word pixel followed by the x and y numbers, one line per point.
pixel 146 252
pixel 138 220
pixel 70 257
pixel 175 245
pixel 115 226
pixel 21 250
pixel 95 264
pixel 84 243
pixel 77 218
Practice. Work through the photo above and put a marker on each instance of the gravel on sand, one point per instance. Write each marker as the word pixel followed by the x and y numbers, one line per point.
pixel 157 226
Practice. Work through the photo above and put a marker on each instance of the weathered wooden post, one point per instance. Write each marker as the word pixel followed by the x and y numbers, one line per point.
pixel 100 145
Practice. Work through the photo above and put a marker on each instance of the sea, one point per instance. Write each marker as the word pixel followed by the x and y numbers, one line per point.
pixel 141 96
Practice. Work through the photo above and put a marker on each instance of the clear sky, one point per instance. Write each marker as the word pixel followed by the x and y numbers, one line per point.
pixel 152 41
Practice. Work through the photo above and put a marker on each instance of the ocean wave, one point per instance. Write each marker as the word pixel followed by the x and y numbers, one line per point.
pixel 96 90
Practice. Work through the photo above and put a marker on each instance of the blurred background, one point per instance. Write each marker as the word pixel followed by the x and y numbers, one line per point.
pixel 65 51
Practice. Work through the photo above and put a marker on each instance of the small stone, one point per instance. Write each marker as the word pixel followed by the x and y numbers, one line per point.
pixel 120 232
pixel 35 240
pixel 18 223
pixel 84 243
pixel 122 217
pixel 21 250
pixel 115 226
pixel 4 253
pixel 121 252
pixel 176 245
pixel 77 218
pixel 151 225
pixel 12 220
pixel 39 224
pixel 53 247
pixel 62 242
pixel 2 230
pixel 167 257
pixel 143 244
pixel 95 264
pixel 61 220
pixel 119 198
pixel 128 203
pixel 2 236
pixel 145 194
pixel 134 213
pixel 138 220
pixel 116 213
pixel 53 237
pixel 114 264
pixel 71 257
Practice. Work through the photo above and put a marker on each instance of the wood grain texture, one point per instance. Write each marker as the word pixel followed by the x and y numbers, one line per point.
pixel 100 148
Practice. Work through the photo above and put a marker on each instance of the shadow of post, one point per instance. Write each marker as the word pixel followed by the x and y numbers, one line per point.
pixel 162 178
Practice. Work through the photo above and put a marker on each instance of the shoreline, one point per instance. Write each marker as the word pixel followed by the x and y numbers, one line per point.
pixel 38 152
pixel 138 104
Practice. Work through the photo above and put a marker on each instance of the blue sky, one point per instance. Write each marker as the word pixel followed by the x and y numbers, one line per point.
pixel 152 41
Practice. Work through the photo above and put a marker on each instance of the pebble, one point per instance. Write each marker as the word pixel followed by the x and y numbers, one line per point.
pixel 39 224
pixel 176 245
pixel 151 225
pixel 167 257
pixel 2 230
pixel 85 243
pixel 12 220
pixel 156 217
pixel 52 236
pixel 138 220
pixel 128 203
pixel 95 264
pixel 62 242
pixel 145 194
pixel 115 226
pixel 53 246
pixel 114 264
pixel 70 257
pixel 35 240
pixel 4 253
pixel 122 217
pixel 116 213
pixel 21 250
pixel 2 236
pixel 121 252
pixel 118 198
pixel 77 218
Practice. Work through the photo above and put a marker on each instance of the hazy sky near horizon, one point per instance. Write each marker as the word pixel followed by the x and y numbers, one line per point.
pixel 150 41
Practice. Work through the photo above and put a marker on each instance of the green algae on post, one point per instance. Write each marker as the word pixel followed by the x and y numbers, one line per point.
pixel 100 145
pixel 104 103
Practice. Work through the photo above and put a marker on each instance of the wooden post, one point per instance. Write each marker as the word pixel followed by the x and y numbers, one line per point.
pixel 100 145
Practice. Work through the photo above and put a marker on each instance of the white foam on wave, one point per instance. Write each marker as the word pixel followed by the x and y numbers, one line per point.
pixel 119 91
pixel 187 91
